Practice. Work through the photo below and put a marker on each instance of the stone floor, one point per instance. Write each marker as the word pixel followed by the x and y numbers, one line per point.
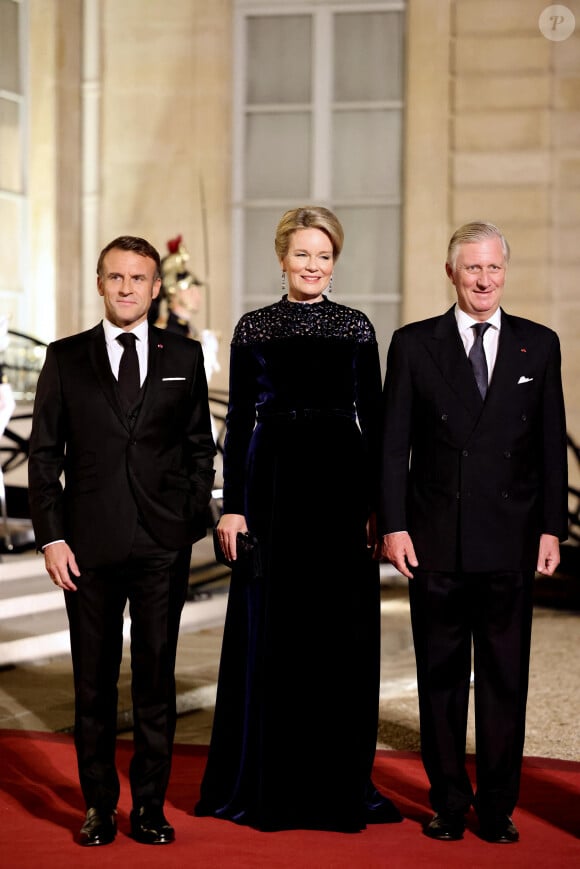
pixel 38 696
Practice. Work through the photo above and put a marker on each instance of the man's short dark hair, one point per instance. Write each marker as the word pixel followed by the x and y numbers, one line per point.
pixel 134 244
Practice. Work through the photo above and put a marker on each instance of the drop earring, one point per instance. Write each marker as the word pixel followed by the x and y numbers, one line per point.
pixel 284 282
pixel 330 284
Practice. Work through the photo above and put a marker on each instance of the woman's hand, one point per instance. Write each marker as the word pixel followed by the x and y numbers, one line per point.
pixel 228 528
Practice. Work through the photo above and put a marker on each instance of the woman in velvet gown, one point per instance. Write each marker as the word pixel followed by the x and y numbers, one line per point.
pixel 295 723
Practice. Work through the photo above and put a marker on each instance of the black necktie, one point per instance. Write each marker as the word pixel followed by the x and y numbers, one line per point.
pixel 477 357
pixel 129 379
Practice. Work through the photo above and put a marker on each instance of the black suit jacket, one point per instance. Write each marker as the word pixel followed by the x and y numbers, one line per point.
pixel 93 469
pixel 472 480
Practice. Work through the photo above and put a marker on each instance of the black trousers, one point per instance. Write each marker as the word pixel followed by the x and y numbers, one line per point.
pixel 154 581
pixel 450 612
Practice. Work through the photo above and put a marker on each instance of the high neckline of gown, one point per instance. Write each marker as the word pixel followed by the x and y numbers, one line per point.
pixel 294 303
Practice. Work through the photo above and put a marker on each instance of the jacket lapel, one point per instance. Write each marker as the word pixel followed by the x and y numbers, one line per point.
pixel 508 362
pixel 150 385
pixel 448 352
pixel 102 370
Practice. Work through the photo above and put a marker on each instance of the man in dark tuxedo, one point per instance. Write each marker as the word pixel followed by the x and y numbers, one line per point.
pixel 474 500
pixel 120 477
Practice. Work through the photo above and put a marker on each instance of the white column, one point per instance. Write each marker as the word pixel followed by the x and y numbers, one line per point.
pixel 91 307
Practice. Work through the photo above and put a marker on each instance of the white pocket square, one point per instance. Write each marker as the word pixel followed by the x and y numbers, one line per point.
pixel 525 379
pixel 172 378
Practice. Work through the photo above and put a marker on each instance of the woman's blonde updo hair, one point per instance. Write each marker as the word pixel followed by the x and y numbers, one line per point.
pixel 308 217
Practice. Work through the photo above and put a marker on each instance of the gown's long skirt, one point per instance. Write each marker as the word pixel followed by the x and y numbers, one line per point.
pixel 295 722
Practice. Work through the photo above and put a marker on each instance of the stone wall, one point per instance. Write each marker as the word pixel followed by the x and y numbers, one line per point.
pixel 166 135
pixel 503 107
pixel 492 131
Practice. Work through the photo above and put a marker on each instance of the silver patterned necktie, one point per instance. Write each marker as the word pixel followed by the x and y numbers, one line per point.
pixel 477 358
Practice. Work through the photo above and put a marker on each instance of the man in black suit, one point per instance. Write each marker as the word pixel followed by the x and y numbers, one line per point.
pixel 129 431
pixel 474 500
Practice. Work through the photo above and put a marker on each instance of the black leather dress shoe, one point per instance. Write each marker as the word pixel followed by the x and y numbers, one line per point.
pixel 99 828
pixel 501 831
pixel 447 827
pixel 150 826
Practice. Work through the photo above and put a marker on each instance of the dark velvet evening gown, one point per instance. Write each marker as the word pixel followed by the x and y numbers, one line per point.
pixel 295 724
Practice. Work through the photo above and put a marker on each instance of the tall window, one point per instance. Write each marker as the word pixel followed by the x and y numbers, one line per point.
pixel 12 157
pixel 318 111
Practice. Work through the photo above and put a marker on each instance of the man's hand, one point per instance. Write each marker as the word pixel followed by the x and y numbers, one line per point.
pixel 398 549
pixel 60 562
pixel 548 554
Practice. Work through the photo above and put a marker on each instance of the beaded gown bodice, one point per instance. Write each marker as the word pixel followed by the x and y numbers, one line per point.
pixel 287 319
pixel 291 356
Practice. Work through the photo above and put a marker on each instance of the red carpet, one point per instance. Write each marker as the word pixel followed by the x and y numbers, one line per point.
pixel 41 812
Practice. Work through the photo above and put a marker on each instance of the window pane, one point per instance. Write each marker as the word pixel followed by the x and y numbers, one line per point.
pixel 369 262
pixel 367 154
pixel 262 271
pixel 10 149
pixel 278 155
pixel 376 37
pixel 358 155
pixel 279 59
pixel 9 65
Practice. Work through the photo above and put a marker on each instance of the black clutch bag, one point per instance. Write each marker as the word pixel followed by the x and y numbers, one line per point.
pixel 247 550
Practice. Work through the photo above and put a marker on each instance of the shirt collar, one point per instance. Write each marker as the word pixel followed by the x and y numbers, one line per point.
pixel 141 331
pixel 465 322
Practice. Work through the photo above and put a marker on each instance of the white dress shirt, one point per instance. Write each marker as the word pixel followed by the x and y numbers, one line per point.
pixel 490 338
pixel 115 350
